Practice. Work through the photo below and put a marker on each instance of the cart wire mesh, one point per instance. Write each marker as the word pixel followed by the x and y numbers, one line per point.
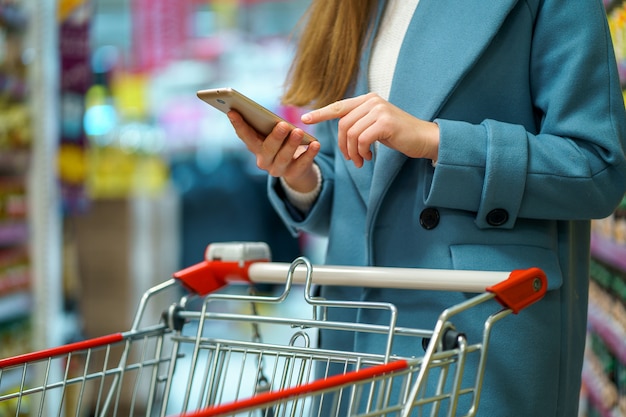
pixel 228 351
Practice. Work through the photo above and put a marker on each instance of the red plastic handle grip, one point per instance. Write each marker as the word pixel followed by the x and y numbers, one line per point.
pixel 523 288
pixel 209 276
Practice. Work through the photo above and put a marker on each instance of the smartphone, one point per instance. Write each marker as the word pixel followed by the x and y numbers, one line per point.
pixel 257 116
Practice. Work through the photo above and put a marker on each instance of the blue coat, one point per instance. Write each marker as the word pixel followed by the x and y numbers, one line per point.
pixel 533 131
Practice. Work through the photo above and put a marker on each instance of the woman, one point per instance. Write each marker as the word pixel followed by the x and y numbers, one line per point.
pixel 459 135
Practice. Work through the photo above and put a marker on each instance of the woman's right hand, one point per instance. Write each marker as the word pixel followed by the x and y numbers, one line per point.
pixel 280 153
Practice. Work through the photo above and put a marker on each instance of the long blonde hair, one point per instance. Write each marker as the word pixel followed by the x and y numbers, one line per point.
pixel 328 52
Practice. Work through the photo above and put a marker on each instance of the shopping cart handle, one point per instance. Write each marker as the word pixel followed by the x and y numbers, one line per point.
pixel 249 262
pixel 521 289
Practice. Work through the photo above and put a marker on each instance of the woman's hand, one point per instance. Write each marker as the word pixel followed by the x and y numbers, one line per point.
pixel 280 153
pixel 366 119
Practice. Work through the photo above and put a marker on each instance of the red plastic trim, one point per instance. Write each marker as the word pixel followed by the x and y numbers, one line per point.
pixel 523 288
pixel 267 398
pixel 61 350
pixel 209 276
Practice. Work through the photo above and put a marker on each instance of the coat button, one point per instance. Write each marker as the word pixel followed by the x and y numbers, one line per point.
pixel 429 218
pixel 497 217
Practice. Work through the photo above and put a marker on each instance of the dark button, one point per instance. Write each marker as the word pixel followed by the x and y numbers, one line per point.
pixel 429 218
pixel 497 217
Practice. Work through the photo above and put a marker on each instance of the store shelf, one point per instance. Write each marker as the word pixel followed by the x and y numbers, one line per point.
pixel 610 331
pixel 13 233
pixel 15 305
pixel 9 283
pixel 605 356
pixel 609 252
pixel 601 393
pixel 14 160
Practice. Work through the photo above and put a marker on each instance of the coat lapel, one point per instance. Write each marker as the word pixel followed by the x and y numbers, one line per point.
pixel 441 45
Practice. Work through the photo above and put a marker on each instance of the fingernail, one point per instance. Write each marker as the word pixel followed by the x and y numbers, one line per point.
pixel 306 117
pixel 283 129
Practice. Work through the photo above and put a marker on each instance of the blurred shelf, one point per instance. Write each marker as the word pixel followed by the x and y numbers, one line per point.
pixel 13 233
pixel 14 161
pixel 599 390
pixel 15 305
pixel 610 331
pixel 609 252
pixel 10 283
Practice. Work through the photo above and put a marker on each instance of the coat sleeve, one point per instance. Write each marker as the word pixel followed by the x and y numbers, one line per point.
pixel 573 167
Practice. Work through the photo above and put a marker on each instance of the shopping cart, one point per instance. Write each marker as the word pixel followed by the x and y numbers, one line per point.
pixel 222 350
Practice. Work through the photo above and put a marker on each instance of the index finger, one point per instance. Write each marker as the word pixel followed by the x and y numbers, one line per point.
pixel 333 110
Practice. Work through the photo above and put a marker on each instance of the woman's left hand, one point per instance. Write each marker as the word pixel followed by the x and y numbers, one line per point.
pixel 366 119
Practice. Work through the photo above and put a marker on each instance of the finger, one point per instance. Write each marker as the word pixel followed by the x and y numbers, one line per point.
pixel 278 148
pixel 363 134
pixel 352 146
pixel 357 159
pixel 245 132
pixel 277 138
pixel 304 160
pixel 334 110
pixel 288 153
pixel 351 129
pixel 346 131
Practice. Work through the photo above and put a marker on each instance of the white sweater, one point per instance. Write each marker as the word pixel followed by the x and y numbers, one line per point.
pixel 398 15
